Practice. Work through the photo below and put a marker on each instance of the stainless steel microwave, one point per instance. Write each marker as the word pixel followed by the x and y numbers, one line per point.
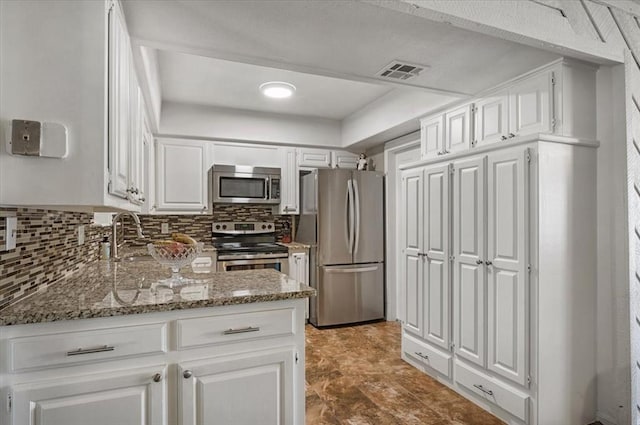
pixel 240 184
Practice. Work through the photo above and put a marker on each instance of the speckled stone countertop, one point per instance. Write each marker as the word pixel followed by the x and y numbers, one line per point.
pixel 105 288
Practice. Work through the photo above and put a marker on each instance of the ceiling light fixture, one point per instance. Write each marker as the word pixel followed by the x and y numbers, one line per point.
pixel 277 89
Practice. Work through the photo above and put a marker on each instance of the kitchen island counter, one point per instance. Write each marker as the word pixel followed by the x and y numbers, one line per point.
pixel 106 288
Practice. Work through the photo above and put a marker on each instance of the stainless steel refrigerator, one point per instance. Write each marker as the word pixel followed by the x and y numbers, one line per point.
pixel 342 218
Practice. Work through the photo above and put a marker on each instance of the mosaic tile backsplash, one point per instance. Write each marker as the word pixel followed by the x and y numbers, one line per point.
pixel 199 227
pixel 46 250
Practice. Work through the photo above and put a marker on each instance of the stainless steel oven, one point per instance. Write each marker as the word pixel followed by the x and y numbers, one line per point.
pixel 238 184
pixel 248 246
pixel 228 263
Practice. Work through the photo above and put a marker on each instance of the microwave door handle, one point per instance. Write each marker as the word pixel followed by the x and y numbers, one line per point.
pixel 267 192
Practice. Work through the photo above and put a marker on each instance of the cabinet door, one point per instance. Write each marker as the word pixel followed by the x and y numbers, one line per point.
pixel 289 182
pixel 147 165
pixel 530 105
pixel 248 389
pixel 469 253
pixel 458 129
pixel 299 270
pixel 136 148
pixel 431 136
pixel 491 119
pixel 131 397
pixel 314 158
pixel 181 176
pixel 436 262
pixel 410 217
pixel 344 159
pixel 508 293
pixel 119 103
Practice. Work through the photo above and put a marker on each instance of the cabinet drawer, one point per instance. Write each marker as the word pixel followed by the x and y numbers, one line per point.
pixel 61 349
pixel 234 327
pixel 425 354
pixel 491 389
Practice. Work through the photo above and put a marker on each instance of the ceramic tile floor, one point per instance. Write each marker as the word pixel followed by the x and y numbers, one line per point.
pixel 355 376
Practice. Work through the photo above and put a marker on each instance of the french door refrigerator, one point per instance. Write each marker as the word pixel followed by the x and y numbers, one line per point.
pixel 342 219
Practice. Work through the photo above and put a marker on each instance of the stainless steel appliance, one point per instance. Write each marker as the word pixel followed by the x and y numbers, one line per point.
pixel 240 184
pixel 342 218
pixel 248 245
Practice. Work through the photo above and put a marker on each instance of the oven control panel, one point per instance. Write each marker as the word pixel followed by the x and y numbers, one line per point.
pixel 243 228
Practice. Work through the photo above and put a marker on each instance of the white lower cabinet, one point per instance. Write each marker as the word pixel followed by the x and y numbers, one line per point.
pixel 132 397
pixel 299 270
pixel 240 365
pixel 498 251
pixel 255 388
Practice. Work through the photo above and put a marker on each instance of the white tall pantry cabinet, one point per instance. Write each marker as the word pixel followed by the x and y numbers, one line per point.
pixel 499 248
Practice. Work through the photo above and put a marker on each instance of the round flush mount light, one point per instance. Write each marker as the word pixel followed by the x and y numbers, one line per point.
pixel 277 89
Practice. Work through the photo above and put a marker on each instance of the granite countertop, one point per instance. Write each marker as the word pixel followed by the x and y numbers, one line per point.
pixel 295 245
pixel 105 288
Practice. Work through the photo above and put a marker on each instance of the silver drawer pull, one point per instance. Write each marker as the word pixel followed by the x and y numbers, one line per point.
pixel 481 388
pixel 100 349
pixel 241 330
pixel 424 356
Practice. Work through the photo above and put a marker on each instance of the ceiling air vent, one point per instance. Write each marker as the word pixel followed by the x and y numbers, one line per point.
pixel 399 70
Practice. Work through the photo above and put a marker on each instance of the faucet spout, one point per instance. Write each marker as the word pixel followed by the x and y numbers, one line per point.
pixel 114 241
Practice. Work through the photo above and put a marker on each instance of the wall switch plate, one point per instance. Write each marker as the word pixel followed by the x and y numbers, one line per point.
pixel 164 228
pixel 11 227
pixel 81 235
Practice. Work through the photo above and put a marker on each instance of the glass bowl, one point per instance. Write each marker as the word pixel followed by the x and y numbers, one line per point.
pixel 175 256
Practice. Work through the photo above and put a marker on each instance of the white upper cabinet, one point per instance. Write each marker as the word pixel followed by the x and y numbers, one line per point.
pixel 121 107
pixel 344 159
pixel 557 99
pixel 314 158
pixel 92 92
pixel 255 155
pixel 491 119
pixel 432 136
pixel 289 185
pixel 530 105
pixel 181 176
pixel 458 129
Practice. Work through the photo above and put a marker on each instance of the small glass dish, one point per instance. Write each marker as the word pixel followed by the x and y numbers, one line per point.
pixel 175 256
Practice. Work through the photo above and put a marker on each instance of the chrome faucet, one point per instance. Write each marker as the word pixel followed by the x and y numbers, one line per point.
pixel 114 242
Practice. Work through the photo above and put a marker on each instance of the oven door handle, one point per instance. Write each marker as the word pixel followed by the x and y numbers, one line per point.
pixel 249 262
pixel 235 257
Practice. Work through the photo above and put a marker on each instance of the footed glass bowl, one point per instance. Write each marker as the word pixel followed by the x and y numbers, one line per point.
pixel 175 256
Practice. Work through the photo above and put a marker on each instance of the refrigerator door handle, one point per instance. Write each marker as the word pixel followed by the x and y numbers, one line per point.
pixel 351 218
pixel 356 227
pixel 352 270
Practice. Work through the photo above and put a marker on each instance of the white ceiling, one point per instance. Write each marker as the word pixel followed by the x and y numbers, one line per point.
pixel 342 38
pixel 206 81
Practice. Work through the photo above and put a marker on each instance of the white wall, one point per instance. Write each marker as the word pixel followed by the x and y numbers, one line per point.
pixel 398 109
pixel 180 120
pixel 613 359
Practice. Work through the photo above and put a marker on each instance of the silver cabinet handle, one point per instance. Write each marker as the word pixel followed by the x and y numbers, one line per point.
pixel 488 263
pixel 478 261
pixel 424 356
pixel 241 330
pixel 187 374
pixel 423 254
pixel 511 135
pixel 503 137
pixel 157 377
pixel 100 349
pixel 484 390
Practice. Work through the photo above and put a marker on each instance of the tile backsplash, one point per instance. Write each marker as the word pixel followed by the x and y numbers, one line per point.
pixel 199 227
pixel 46 250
